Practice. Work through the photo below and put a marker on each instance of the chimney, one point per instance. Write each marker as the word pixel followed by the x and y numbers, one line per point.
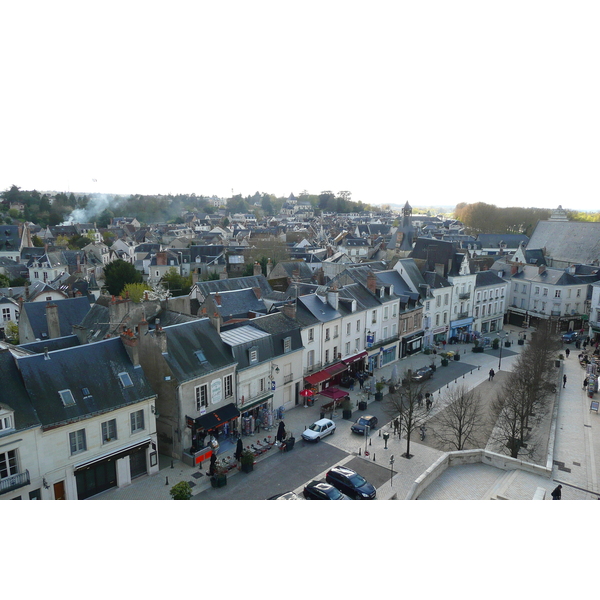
pixel 541 269
pixel 257 292
pixel 289 310
pixel 217 299
pixel 223 274
pixel 81 333
pixel 161 339
pixel 142 328
pixel 130 341
pixel 269 267
pixel 52 320
pixel 333 297
pixel 161 258
pixel 257 269
pixel 216 321
pixel 26 292
pixel 296 275
pixel 372 282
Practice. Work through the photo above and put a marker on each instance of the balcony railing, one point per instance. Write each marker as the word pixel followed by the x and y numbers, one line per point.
pixel 464 296
pixel 288 378
pixel 462 315
pixel 312 368
pixel 387 340
pixel 14 482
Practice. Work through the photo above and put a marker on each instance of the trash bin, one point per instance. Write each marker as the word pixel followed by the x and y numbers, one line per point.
pixel 362 405
pixel 289 444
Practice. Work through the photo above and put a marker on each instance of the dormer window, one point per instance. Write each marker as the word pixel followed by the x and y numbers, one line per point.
pixel 287 344
pixel 253 355
pixel 6 421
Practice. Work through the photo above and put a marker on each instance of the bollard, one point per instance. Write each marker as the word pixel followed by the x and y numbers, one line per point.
pixel 359 451
pixel 369 441
pixel 167 481
pixel 380 433
pixel 373 457
pixel 172 467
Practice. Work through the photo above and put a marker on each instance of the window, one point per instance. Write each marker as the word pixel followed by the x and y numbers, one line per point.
pixel 326 356
pixel 6 314
pixel 374 317
pixel 5 422
pixel 335 352
pixel 445 299
pixel 358 325
pixel 385 333
pixel 537 289
pixel 335 331
pixel 545 291
pixel 311 335
pixel 109 431
pixel 438 301
pixel 125 380
pixel 228 385
pixel 557 294
pixel 77 441
pixel 327 334
pixel 261 385
pixel 348 328
pixel 201 396
pixel 394 329
pixel 67 397
pixel 386 313
pixel 579 293
pixel 253 355
pixel 8 464
pixel 437 319
pixel 310 361
pixel 347 351
pixel 287 345
pixel 395 310
pixel 137 421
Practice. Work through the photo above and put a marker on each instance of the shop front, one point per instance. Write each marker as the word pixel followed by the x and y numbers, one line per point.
pixel 440 334
pixel 209 431
pixel 411 344
pixel 460 329
pixel 114 470
pixel 355 364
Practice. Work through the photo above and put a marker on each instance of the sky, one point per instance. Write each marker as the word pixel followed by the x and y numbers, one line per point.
pixel 433 103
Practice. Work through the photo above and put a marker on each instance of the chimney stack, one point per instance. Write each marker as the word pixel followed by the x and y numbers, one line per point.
pixel 372 282
pixel 289 310
pixel 52 320
pixel 257 269
pixel 130 341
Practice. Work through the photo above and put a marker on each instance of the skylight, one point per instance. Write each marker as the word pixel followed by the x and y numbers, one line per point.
pixel 125 380
pixel 67 397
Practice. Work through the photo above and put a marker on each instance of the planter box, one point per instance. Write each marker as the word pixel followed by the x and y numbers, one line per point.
pixel 507 344
pixel 362 405
pixel 248 468
pixel 347 413
pixel 444 362
pixel 378 395
pixel 477 348
pixel 520 342
pixel 218 481
pixel 457 357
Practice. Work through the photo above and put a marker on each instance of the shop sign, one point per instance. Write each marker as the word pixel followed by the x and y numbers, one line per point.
pixel 216 391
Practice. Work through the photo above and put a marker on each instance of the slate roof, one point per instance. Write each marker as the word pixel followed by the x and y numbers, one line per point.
pixel 485 278
pixel 13 393
pixel 568 241
pixel 183 343
pixel 318 309
pixel 71 311
pixel 494 240
pixel 234 283
pixel 235 304
pixel 10 240
pixel 77 369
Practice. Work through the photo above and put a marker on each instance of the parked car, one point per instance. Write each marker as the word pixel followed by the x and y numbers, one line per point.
pixel 362 423
pixel 570 337
pixel 349 482
pixel 320 490
pixel 319 429
pixel 285 496
pixel 422 374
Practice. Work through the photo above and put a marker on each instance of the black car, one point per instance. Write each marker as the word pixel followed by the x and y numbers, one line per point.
pixel 285 496
pixel 362 423
pixel 422 374
pixel 319 490
pixel 350 483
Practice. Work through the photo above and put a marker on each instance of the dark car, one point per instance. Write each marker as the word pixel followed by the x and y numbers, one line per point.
pixel 320 490
pixel 570 337
pixel 362 423
pixel 350 483
pixel 422 374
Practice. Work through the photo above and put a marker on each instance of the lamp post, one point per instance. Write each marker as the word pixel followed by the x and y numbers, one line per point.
pixel 391 468
pixel 502 338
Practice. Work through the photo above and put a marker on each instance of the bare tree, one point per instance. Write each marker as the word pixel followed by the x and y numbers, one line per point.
pixel 461 421
pixel 406 405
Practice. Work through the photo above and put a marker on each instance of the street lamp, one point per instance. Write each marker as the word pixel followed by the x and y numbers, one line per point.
pixel 391 468
pixel 502 338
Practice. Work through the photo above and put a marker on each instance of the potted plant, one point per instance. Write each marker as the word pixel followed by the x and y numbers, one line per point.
pixel 444 360
pixel 181 491
pixel 379 393
pixel 495 343
pixel 457 356
pixel 247 461
pixel 477 347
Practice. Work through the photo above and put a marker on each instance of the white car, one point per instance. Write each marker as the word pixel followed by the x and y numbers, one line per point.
pixel 318 430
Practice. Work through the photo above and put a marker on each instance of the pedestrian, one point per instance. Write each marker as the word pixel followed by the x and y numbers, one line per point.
pixel 352 385
pixel 396 425
pixel 491 375
pixel 556 493
pixel 567 352
pixel 564 380
pixel 420 400
pixel 428 403
pixel 585 383
pixel 360 381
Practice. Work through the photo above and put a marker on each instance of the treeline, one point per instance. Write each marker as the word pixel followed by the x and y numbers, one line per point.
pixel 480 217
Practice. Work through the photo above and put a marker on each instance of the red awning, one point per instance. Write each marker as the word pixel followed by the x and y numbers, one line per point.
pixel 318 377
pixel 336 369
pixel 354 358
pixel 333 393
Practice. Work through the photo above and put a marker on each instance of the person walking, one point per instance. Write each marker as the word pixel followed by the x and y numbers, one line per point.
pixel 585 383
pixel 492 373
pixel 567 352
pixel 556 492
pixel 564 380
pixel 396 425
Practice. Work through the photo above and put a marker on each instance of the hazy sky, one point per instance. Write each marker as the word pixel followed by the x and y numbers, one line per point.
pixel 430 102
